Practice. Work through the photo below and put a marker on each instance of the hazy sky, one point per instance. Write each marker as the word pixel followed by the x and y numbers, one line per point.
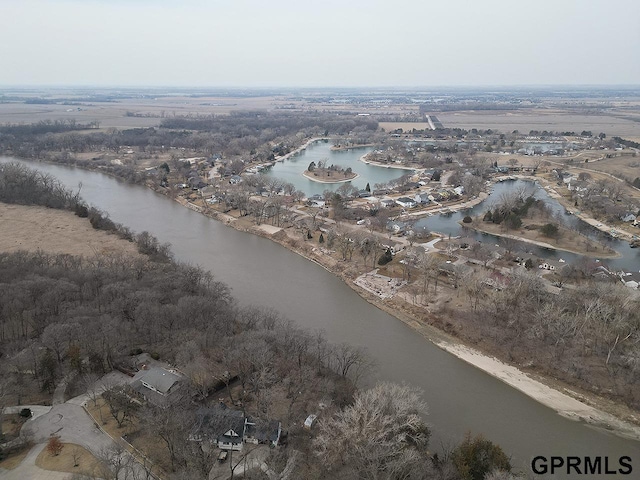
pixel 324 43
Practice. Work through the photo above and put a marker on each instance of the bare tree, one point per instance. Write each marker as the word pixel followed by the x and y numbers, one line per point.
pixel 381 435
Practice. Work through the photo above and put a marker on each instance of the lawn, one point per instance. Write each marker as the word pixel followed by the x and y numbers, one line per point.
pixel 73 459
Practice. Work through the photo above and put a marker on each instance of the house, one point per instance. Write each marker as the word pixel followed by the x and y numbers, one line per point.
pixel 219 425
pixel 196 183
pixel 422 198
pixel 155 384
pixel 235 179
pixel 630 279
pixel 387 202
pixel 406 202
pixel 229 429
pixel 262 431
pixel 628 217
pixel 316 200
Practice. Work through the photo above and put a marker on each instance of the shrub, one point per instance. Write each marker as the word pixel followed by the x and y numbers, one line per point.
pixel 476 457
pixel 81 210
pixel 54 445
pixel 155 355
pixel 513 221
pixel 25 413
pixel 467 219
pixel 385 258
pixel 549 230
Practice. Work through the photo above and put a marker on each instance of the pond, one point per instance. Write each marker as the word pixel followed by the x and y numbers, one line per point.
pixel 290 170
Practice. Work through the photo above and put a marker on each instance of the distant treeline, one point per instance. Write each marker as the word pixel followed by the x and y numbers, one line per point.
pixel 45 126
pixel 627 143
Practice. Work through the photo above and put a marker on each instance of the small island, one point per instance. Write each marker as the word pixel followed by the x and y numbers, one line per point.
pixel 322 173
pixel 527 219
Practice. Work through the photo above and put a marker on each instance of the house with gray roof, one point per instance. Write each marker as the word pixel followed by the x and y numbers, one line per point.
pixel 229 429
pixel 155 384
pixel 219 425
pixel 262 431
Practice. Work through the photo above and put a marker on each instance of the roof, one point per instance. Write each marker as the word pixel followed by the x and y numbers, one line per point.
pixel 214 422
pixel 160 379
pixel 263 430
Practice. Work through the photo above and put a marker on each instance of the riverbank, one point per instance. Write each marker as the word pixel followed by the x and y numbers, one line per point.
pixel 417 321
pixel 565 400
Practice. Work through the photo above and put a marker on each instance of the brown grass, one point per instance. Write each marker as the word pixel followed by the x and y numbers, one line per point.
pixel 15 458
pixel 100 414
pixel 152 447
pixel 567 239
pixel 35 228
pixel 525 120
pixel 87 463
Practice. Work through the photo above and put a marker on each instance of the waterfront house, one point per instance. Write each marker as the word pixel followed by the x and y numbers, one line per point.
pixel 422 198
pixel 406 202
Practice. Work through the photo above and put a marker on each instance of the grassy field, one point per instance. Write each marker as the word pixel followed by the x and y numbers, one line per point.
pixel 142 112
pixel 525 120
pixel 624 166
pixel 34 228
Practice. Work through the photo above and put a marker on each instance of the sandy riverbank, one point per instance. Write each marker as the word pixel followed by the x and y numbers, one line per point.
pixel 565 404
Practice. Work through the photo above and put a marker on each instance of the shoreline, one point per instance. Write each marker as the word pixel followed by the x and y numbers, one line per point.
pixel 563 399
pixel 574 407
pixel 540 244
pixel 384 165
pixel 328 182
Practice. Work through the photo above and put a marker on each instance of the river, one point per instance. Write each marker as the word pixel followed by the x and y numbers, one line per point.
pixel 461 398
